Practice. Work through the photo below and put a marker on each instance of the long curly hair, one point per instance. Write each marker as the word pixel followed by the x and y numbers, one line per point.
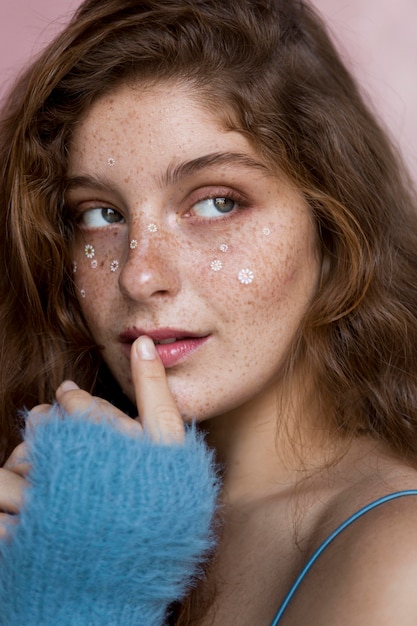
pixel 270 68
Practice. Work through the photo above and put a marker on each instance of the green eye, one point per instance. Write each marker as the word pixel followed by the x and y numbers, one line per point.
pixel 100 217
pixel 224 205
pixel 212 207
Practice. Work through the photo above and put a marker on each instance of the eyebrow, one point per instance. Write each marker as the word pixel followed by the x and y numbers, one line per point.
pixel 175 172
pixel 101 183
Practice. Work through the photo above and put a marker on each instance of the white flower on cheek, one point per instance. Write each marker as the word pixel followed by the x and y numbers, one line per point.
pixel 216 265
pixel 245 276
pixel 89 251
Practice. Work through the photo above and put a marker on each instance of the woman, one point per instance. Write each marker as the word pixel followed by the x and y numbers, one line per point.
pixel 204 224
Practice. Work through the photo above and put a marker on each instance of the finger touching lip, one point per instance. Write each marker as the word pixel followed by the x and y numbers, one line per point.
pixel 172 345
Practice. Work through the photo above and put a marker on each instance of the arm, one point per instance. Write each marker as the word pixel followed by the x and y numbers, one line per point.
pixel 114 522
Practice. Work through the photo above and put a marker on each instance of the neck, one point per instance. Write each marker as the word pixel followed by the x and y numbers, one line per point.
pixel 268 445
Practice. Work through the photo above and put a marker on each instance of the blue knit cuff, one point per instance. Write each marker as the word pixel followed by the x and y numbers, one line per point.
pixel 113 527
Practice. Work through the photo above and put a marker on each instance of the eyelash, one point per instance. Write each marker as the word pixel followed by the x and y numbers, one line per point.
pixel 76 214
pixel 241 202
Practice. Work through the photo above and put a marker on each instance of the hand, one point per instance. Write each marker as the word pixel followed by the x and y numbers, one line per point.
pixel 159 415
pixel 107 516
pixel 12 486
pixel 161 421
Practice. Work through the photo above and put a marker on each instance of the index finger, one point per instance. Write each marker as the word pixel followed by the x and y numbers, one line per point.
pixel 159 413
pixel 17 461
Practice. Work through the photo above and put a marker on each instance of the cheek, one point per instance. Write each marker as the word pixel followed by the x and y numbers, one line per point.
pixel 96 264
pixel 259 262
pixel 270 265
pixel 232 259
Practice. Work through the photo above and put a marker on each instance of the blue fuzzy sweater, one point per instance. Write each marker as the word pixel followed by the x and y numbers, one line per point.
pixel 113 527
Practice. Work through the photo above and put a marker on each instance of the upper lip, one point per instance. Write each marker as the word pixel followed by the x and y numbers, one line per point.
pixel 160 334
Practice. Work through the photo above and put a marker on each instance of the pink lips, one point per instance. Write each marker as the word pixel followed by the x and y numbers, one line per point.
pixel 170 353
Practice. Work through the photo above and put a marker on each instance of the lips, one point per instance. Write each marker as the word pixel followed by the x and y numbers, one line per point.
pixel 173 345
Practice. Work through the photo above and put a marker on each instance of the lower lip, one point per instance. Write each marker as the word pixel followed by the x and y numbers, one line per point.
pixel 173 353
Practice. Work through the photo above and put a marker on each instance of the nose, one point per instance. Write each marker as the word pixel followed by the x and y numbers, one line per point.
pixel 151 269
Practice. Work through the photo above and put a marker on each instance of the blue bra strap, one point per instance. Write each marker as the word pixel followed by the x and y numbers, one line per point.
pixel 326 542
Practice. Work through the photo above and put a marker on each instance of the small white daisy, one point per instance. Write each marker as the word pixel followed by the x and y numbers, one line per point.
pixel 93 264
pixel 111 162
pixel 89 251
pixel 82 293
pixel 245 276
pixel 216 265
pixel 114 265
pixel 152 228
pixel 133 244
pixel 266 231
pixel 224 247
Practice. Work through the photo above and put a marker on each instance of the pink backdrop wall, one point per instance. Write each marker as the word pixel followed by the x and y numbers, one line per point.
pixel 378 37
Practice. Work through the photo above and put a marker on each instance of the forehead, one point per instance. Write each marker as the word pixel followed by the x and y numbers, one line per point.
pixel 155 126
pixel 147 108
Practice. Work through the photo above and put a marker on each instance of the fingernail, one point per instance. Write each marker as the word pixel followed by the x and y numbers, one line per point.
pixel 146 348
pixel 68 385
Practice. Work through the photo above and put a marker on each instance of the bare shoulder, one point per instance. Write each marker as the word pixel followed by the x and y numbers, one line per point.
pixel 367 575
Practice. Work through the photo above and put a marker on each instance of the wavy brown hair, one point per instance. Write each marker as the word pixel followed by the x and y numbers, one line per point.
pixel 269 67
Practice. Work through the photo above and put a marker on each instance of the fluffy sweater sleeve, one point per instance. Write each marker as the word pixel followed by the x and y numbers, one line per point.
pixel 112 530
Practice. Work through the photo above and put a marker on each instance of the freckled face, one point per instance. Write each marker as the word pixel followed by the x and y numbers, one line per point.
pixel 185 234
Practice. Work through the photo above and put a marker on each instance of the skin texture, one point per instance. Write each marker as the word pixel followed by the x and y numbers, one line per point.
pixel 141 155
pixel 129 154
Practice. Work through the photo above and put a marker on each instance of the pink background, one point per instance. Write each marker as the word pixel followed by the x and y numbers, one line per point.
pixel 377 37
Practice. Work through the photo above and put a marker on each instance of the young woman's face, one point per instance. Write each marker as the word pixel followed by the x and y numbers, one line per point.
pixel 185 234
